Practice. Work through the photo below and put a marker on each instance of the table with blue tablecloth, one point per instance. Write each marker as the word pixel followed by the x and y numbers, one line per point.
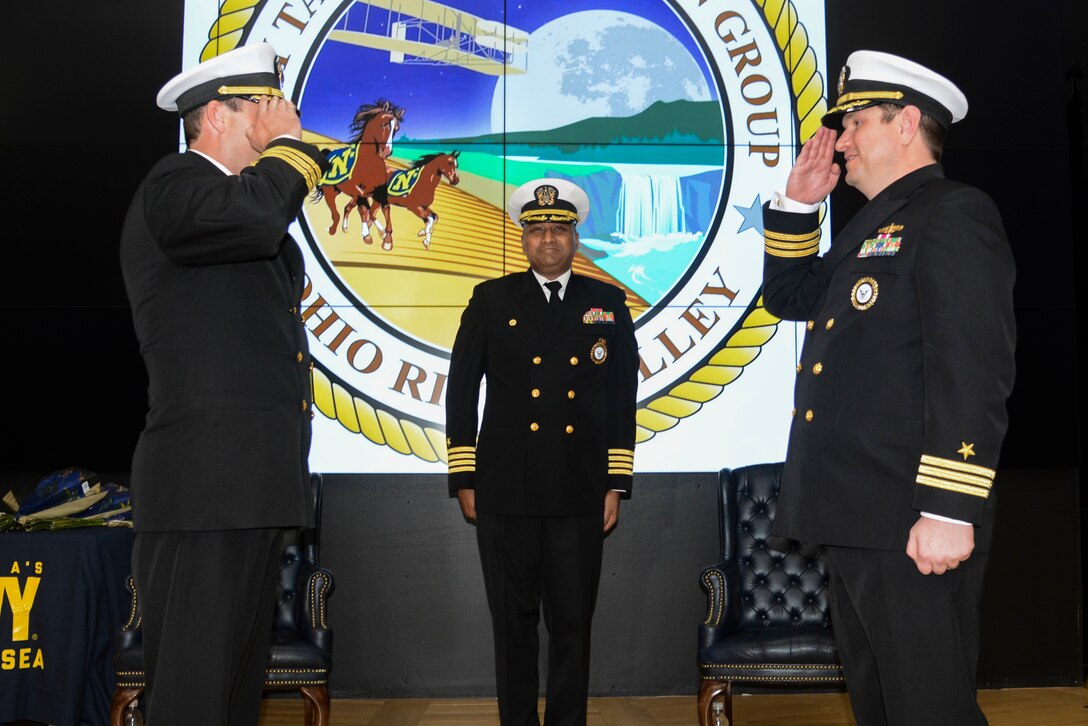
pixel 62 598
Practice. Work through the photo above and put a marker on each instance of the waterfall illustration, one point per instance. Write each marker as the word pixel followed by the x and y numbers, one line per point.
pixel 649 205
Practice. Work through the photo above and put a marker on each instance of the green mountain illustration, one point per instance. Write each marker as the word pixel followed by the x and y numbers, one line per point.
pixel 664 122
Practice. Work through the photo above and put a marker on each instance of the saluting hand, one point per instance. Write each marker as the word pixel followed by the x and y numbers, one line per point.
pixel 814 174
pixel 275 117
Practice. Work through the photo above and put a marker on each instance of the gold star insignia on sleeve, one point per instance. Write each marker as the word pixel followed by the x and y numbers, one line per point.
pixel 966 449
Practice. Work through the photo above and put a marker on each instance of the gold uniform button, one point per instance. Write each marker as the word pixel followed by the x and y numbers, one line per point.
pixel 299 357
pixel 536 360
pixel 570 394
pixel 818 369
pixel 570 429
pixel 798 367
pixel 809 415
pixel 830 323
pixel 535 393
pixel 305 404
pixel 811 325
pixel 793 412
pixel 513 322
pixel 294 310
pixel 534 426
pixel 574 360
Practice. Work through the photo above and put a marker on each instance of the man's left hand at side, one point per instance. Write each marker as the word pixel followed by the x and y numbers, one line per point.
pixel 937 546
pixel 611 510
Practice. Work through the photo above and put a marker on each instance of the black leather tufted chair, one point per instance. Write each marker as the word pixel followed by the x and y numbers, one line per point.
pixel 768 619
pixel 301 652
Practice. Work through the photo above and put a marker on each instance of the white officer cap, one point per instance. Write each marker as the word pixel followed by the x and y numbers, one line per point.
pixel 548 200
pixel 870 77
pixel 251 70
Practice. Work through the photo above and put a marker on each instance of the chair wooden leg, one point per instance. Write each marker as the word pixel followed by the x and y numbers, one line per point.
pixel 708 691
pixel 316 697
pixel 122 698
pixel 728 698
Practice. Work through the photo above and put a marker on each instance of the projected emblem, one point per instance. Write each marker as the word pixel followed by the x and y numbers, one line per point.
pixel 675 116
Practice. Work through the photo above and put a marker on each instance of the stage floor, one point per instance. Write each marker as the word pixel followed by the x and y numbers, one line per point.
pixel 1011 707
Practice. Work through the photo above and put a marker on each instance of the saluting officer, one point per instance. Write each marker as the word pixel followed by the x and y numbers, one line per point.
pixel 543 478
pixel 901 388
pixel 220 471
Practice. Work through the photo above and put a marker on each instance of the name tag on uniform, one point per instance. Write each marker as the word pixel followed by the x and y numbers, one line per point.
pixel 598 316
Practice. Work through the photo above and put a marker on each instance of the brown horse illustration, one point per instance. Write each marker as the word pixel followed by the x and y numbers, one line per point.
pixel 413 188
pixel 359 169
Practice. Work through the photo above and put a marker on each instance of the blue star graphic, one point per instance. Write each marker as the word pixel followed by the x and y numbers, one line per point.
pixel 753 216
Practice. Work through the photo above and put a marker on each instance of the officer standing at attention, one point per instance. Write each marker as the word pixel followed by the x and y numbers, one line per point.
pixel 555 449
pixel 901 388
pixel 220 470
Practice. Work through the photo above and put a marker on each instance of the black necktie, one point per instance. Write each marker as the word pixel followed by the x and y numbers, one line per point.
pixel 554 286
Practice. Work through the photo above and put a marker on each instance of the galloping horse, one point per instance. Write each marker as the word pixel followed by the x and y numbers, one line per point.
pixel 413 188
pixel 359 169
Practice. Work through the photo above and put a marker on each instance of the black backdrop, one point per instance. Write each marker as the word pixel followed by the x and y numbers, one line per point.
pixel 80 129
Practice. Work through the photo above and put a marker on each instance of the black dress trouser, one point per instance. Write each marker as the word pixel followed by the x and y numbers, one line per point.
pixel 528 561
pixel 908 641
pixel 207 604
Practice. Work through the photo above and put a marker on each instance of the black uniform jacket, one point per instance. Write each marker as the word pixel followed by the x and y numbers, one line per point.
pixel 214 282
pixel 558 425
pixel 907 362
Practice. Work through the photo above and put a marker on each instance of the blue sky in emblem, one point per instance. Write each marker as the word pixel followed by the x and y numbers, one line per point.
pixel 445 101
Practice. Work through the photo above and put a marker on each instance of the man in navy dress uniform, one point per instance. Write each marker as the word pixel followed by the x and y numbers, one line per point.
pixel 543 473
pixel 901 388
pixel 220 470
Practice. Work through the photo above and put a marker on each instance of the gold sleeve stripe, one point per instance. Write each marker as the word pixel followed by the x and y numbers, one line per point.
pixel 304 165
pixel 959 466
pixel 938 473
pixel 293 157
pixel 315 170
pixel 953 487
pixel 774 244
pixel 807 252
pixel 462 459
pixel 778 244
pixel 620 459
pixel 303 169
pixel 628 452
pixel 773 247
pixel 621 472
pixel 783 237
pixel 461 469
pixel 461 449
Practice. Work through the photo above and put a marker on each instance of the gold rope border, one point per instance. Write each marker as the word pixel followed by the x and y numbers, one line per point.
pixel 230 27
pixel 405 436
pixel 380 425
pixel 706 382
